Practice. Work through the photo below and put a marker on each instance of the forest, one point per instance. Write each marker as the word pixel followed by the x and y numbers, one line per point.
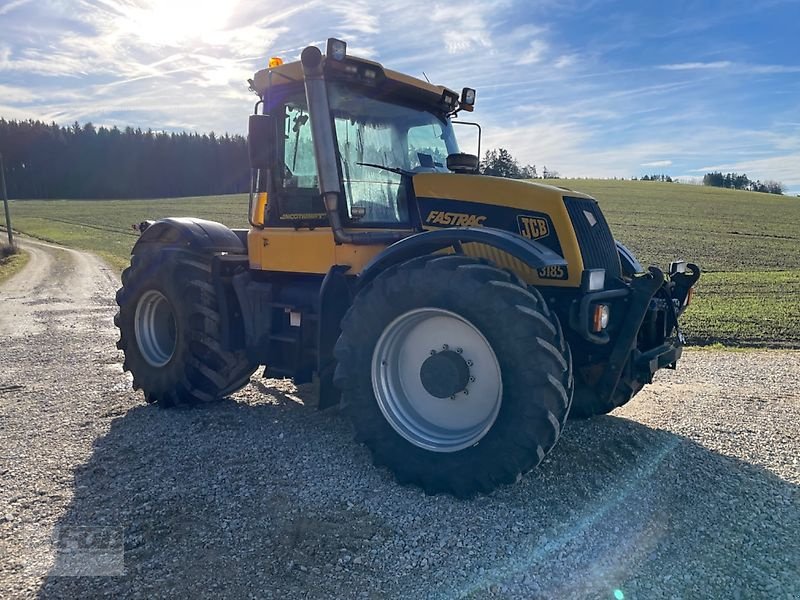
pixel 49 161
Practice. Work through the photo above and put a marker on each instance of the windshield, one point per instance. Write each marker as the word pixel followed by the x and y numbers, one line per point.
pixel 370 130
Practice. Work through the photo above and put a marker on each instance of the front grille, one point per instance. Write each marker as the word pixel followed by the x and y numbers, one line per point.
pixel 597 245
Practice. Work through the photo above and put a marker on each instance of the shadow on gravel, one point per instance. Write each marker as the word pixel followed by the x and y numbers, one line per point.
pixel 263 496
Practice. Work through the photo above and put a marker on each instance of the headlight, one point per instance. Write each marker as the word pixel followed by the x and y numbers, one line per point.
pixel 602 315
pixel 593 280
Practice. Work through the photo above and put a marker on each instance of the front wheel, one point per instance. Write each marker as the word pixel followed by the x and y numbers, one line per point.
pixel 170 331
pixel 589 403
pixel 455 375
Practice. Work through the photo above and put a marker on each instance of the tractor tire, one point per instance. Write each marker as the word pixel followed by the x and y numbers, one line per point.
pixel 422 336
pixel 588 403
pixel 169 325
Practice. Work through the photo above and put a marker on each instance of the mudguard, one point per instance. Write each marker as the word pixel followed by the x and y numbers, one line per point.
pixel 193 234
pixel 532 253
pixel 630 266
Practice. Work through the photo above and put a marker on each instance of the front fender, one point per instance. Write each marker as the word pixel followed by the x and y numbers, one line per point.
pixel 530 252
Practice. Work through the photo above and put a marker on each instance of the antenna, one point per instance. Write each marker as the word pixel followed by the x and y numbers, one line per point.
pixel 426 77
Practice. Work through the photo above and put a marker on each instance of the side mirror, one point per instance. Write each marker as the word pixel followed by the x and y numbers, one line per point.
pixel 463 163
pixel 261 141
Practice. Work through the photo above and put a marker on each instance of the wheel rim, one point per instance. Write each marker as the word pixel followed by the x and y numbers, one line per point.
pixel 156 334
pixel 432 422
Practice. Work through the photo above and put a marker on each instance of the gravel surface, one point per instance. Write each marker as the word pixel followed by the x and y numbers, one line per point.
pixel 690 491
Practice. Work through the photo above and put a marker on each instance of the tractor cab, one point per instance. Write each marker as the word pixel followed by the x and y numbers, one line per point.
pixel 354 130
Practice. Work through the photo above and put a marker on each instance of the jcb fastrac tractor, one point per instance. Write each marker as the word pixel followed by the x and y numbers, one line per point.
pixel 459 319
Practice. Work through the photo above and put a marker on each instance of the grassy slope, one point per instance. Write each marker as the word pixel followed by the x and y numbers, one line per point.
pixel 747 244
pixel 10 265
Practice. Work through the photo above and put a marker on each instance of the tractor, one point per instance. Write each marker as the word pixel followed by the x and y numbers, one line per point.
pixel 457 319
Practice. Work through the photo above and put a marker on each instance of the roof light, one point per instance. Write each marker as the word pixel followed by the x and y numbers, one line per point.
pixel 275 61
pixel 337 49
pixel 467 97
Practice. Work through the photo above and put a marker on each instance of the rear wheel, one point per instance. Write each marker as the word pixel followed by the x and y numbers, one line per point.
pixel 169 324
pixel 456 376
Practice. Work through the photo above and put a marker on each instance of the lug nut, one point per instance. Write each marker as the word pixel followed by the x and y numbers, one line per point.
pixel 469 363
pixel 452 397
pixel 472 380
pixel 459 350
pixel 466 392
pixel 433 352
pixel 445 347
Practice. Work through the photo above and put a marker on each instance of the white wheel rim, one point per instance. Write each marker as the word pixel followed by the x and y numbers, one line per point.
pixel 439 424
pixel 154 325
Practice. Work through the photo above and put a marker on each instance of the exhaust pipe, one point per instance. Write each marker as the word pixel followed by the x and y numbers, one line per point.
pixel 326 154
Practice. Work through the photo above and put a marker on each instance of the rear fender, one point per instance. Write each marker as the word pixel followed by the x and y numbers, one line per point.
pixel 187 233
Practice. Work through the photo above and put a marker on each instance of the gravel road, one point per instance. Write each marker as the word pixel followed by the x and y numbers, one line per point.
pixel 691 491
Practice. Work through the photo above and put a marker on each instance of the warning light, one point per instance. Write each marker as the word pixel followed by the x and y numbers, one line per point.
pixel 275 62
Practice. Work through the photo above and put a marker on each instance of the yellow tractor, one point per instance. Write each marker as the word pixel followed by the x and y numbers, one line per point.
pixel 459 319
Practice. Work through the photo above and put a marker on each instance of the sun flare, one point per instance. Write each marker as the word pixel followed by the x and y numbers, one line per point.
pixel 176 22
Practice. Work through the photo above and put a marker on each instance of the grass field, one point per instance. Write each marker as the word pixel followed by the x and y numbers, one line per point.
pixel 747 244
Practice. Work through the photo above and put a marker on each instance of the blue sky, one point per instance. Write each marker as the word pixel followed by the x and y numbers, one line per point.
pixel 594 88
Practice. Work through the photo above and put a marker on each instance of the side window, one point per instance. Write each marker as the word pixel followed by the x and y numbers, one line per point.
pixel 373 195
pixel 298 197
pixel 427 150
pixel 298 155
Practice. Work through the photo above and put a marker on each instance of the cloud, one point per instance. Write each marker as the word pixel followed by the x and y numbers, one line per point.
pixel 740 68
pixel 694 66
pixel 14 4
pixel 566 61
pixel 534 53
pixel 658 163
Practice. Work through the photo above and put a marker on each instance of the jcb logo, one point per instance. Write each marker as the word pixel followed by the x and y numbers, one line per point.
pixel 533 228
pixel 437 217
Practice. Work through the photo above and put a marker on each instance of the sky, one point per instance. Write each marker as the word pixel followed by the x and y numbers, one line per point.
pixel 589 89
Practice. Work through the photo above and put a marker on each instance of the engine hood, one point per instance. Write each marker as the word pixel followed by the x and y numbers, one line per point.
pixel 533 210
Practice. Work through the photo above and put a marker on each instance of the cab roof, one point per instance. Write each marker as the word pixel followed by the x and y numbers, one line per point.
pixel 292 73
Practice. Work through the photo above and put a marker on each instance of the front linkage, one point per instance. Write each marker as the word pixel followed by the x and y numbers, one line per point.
pixel 647 339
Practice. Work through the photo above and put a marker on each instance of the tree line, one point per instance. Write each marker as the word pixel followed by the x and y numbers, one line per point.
pixel 500 163
pixel 742 182
pixel 655 177
pixel 49 161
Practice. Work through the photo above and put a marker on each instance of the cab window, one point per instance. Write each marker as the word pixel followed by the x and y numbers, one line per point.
pixel 298 189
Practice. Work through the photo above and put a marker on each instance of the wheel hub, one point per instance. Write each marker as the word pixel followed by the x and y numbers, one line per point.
pixel 154 323
pixel 444 374
pixel 415 386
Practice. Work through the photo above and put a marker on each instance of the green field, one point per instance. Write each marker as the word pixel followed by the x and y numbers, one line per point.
pixel 747 244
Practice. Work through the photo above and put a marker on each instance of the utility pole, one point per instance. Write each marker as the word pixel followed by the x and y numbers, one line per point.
pixel 5 202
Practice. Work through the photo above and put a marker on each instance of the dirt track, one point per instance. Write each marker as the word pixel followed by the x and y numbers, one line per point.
pixel 690 491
